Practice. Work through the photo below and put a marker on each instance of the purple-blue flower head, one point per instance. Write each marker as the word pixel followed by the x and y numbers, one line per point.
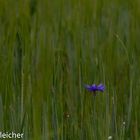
pixel 93 88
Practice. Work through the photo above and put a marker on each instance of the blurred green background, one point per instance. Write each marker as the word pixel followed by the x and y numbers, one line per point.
pixel 50 48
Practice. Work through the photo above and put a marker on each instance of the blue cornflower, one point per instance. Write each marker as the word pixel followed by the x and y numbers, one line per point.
pixel 93 88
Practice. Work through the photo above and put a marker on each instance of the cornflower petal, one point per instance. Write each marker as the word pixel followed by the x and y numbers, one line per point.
pixel 93 87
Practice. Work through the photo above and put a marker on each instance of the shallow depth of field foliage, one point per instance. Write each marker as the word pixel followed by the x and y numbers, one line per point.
pixel 50 48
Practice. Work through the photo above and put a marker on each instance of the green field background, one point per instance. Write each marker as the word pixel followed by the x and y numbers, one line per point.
pixel 50 48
